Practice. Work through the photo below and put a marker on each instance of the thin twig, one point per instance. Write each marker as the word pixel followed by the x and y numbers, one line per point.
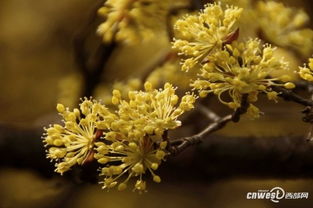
pixel 185 142
pixel 179 145
pixel 291 96
pixel 262 157
pixel 211 115
pixel 242 109
pixel 91 72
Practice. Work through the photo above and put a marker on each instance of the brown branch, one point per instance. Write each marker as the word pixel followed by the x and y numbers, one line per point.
pixel 211 115
pixel 91 65
pixel 220 157
pixel 242 109
pixel 216 156
pixel 179 145
pixel 291 96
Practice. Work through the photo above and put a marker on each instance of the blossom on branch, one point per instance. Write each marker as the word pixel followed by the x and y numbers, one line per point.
pixel 242 68
pixel 151 112
pixel 306 72
pixel 204 33
pixel 73 143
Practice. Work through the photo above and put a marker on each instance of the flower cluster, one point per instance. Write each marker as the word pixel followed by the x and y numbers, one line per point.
pixel 248 17
pixel 306 72
pixel 202 34
pixel 242 68
pixel 132 20
pixel 150 112
pixel 284 26
pixel 73 143
pixel 129 141
pixel 129 156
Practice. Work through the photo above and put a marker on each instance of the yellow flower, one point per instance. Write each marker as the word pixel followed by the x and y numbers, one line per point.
pixel 204 33
pixel 135 145
pixel 248 17
pixel 306 72
pixel 284 26
pixel 126 158
pixel 151 111
pixel 242 68
pixel 73 143
pixel 132 20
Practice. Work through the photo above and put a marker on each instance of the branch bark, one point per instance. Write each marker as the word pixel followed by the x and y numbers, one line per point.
pixel 291 96
pixel 91 70
pixel 221 157
pixel 216 157
pixel 179 145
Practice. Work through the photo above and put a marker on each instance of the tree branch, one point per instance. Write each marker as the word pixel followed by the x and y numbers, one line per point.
pixel 291 96
pixel 179 145
pixel 220 157
pixel 91 66
pixel 211 115
pixel 216 157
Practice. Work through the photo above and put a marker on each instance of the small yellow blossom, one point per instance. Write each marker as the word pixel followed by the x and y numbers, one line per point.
pixel 306 72
pixel 248 17
pixel 132 20
pixel 73 143
pixel 152 111
pixel 242 68
pixel 127 158
pixel 253 112
pixel 284 26
pixel 203 33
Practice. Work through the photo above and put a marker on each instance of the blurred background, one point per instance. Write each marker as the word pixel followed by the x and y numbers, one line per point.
pixel 43 48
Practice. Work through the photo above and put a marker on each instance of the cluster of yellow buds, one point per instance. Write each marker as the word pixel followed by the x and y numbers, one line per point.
pixel 132 20
pixel 228 68
pixel 248 18
pixel 73 143
pixel 129 141
pixel 242 68
pixel 202 34
pixel 150 112
pixel 306 72
pixel 130 157
pixel 285 26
